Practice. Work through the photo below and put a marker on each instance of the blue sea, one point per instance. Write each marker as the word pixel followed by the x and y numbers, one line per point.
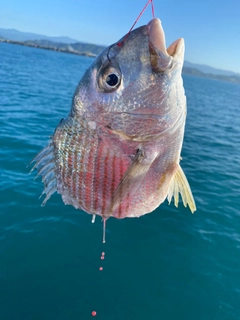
pixel 168 265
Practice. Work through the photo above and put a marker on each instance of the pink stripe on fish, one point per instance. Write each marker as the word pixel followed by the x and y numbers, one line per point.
pixel 97 177
pixel 113 182
pixel 121 167
pixel 105 182
pixel 89 178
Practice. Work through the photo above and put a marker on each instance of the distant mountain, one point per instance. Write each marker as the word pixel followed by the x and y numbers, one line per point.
pixel 15 35
pixel 210 70
pixel 221 77
pixel 78 47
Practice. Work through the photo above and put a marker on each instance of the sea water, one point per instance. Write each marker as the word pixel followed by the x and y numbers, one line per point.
pixel 167 265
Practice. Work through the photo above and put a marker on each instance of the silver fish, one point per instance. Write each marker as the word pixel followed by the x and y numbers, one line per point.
pixel 117 154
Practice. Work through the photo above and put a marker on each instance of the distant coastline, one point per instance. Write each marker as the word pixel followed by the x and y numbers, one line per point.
pixel 91 50
pixel 45 47
pixel 198 73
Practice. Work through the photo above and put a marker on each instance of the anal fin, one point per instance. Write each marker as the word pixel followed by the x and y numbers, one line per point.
pixel 179 184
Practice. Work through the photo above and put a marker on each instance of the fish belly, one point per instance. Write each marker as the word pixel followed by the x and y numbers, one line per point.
pixel 92 166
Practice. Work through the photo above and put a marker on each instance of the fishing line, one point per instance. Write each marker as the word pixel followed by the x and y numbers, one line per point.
pixel 140 14
pixel 120 44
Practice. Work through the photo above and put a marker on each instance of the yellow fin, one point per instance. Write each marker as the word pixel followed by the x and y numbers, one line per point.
pixel 179 184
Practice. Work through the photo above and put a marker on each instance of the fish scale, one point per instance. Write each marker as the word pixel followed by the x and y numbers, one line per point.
pixel 88 169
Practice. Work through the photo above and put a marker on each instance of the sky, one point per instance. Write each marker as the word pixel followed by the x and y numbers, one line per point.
pixel 211 28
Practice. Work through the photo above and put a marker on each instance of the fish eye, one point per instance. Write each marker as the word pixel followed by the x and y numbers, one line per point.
pixel 109 79
pixel 112 80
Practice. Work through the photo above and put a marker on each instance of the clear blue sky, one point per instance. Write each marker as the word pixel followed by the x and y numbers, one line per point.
pixel 211 28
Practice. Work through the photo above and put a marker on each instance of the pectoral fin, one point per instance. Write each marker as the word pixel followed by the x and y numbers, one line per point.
pixel 179 184
pixel 130 180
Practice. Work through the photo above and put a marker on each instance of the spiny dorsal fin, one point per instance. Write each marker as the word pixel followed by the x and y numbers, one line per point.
pixel 179 184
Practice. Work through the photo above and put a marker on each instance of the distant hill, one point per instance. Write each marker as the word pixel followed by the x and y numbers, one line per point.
pixel 210 70
pixel 221 77
pixel 78 47
pixel 15 35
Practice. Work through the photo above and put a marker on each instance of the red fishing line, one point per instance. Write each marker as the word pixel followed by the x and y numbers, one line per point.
pixel 140 14
pixel 153 15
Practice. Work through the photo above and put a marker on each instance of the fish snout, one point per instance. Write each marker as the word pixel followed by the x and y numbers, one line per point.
pixel 162 57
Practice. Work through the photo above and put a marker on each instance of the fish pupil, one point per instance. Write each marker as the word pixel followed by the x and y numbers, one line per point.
pixel 112 79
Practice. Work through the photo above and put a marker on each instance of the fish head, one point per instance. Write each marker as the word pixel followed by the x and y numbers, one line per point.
pixel 135 74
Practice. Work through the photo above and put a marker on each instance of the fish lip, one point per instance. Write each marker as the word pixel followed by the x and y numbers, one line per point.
pixel 159 56
pixel 160 59
pixel 156 35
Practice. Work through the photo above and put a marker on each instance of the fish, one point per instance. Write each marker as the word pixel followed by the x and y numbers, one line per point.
pixel 117 154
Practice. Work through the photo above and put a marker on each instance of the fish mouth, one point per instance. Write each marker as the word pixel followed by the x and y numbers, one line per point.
pixel 162 57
